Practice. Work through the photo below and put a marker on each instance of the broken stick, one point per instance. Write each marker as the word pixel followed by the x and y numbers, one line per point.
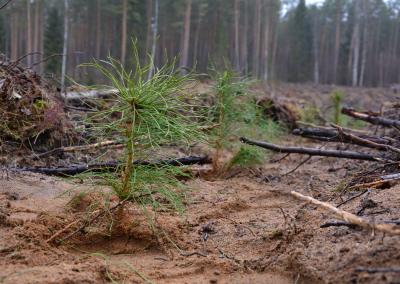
pixel 312 151
pixel 348 217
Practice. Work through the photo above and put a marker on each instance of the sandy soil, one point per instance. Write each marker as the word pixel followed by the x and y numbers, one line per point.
pixel 243 228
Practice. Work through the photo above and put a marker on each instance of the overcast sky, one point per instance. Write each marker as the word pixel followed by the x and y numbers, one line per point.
pixel 313 1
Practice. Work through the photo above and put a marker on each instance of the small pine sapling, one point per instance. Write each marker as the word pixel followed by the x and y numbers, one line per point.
pixel 337 101
pixel 252 123
pixel 224 112
pixel 146 114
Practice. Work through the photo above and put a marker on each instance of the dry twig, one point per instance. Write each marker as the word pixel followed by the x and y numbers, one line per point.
pixel 348 217
pixel 298 166
pixel 351 198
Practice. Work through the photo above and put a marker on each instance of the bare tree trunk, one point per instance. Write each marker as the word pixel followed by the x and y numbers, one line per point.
pixel 394 49
pixel 98 28
pixel 149 12
pixel 237 47
pixel 267 29
pixel 65 47
pixel 196 36
pixel 337 39
pixel 396 37
pixel 124 30
pixel 154 25
pixel 316 61
pixel 186 37
pixel 14 36
pixel 365 43
pixel 316 53
pixel 322 51
pixel 275 42
pixel 381 67
pixel 244 47
pixel 256 45
pixel 37 35
pixel 29 33
pixel 356 48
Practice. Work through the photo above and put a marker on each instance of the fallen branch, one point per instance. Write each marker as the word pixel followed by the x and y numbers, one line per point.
pixel 109 166
pixel 365 141
pixel 372 118
pixel 312 151
pixel 338 135
pixel 333 135
pixel 348 217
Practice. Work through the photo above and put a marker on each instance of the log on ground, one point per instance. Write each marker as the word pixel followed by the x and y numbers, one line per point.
pixel 110 166
pixel 372 118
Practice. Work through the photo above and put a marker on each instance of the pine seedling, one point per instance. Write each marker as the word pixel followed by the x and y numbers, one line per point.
pixel 224 112
pixel 145 114
pixel 251 122
pixel 337 100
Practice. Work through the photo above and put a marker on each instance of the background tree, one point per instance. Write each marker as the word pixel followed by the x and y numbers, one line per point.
pixel 2 35
pixel 300 44
pixel 53 39
pixel 348 42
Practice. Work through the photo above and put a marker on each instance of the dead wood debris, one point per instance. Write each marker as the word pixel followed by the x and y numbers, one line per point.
pixel 285 113
pixel 384 181
pixel 372 117
pixel 352 226
pixel 333 135
pixel 338 134
pixel 381 146
pixel 348 217
pixel 31 112
pixel 338 224
pixel 312 151
pixel 112 165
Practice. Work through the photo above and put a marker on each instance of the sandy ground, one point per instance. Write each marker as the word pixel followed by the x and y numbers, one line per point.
pixel 244 228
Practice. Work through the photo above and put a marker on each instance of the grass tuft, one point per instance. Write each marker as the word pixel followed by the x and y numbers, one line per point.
pixel 247 157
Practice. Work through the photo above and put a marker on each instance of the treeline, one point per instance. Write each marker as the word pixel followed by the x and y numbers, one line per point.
pixel 346 42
